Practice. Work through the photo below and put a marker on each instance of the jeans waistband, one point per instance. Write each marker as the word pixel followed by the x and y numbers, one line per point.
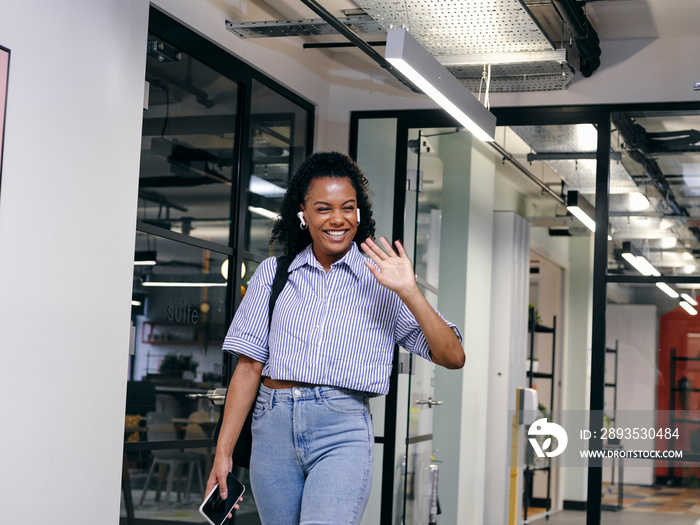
pixel 270 396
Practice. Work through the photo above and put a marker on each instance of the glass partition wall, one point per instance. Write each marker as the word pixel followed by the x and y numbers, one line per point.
pixel 639 430
pixel 631 314
pixel 218 150
pixel 652 356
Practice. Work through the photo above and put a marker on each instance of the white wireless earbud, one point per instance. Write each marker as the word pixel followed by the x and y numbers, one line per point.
pixel 303 224
pixel 358 215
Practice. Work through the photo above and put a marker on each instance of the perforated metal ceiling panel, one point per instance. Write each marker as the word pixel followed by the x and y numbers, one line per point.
pixel 577 174
pixel 477 27
pixel 309 27
pixel 448 27
pixel 516 78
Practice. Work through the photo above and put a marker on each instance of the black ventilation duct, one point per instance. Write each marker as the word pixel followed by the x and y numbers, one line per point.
pixel 583 33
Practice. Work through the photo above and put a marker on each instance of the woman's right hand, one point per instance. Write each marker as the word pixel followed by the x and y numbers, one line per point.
pixel 220 469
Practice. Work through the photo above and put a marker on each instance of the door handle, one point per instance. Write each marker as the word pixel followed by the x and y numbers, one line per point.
pixel 430 402
pixel 216 396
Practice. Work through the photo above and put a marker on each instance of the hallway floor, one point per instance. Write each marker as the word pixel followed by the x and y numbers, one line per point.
pixel 574 517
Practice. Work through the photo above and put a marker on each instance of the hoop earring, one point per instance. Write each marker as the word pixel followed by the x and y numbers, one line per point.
pixel 303 224
pixel 358 215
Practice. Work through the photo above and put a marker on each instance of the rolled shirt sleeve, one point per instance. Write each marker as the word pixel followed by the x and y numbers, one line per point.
pixel 248 333
pixel 409 334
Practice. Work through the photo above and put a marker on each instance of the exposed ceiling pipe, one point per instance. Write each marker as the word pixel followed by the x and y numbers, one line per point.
pixel 545 189
pixel 586 37
pixel 634 137
pixel 361 44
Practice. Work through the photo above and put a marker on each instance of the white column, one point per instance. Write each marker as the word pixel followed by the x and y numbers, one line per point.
pixel 465 298
pixel 509 300
pixel 576 363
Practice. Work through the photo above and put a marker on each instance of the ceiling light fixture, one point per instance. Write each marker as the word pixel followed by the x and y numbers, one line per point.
pixel 689 299
pixel 165 284
pixel 264 212
pixel 667 290
pixel 638 262
pixel 638 201
pixel 420 67
pixel 182 281
pixel 145 258
pixel 581 209
pixel 688 308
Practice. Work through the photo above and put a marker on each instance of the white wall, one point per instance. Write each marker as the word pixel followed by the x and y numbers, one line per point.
pixel 67 219
pixel 632 70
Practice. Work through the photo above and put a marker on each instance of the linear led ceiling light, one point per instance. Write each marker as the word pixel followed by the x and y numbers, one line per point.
pixel 668 290
pixel 182 281
pixel 166 284
pixel 264 212
pixel 581 209
pixel 690 300
pixel 688 308
pixel 638 262
pixel 420 67
pixel 145 258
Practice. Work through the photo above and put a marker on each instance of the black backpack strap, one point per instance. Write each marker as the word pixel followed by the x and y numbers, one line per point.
pixel 241 452
pixel 281 276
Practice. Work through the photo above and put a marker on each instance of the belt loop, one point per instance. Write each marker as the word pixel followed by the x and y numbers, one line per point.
pixel 317 391
pixel 270 398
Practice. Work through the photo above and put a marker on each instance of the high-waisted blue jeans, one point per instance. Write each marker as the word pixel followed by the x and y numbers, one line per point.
pixel 311 460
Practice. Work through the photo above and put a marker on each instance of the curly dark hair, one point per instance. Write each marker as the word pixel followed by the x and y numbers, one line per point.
pixel 286 230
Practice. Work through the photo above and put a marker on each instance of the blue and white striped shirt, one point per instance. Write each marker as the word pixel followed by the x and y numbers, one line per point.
pixel 336 328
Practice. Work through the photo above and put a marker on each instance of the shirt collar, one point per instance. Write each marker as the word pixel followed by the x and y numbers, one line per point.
pixel 353 260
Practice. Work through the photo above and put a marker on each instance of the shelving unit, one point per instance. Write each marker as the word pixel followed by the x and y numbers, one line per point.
pixel 672 410
pixel 533 329
pixel 614 444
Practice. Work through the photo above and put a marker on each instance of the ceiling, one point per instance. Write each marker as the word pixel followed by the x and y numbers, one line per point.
pixel 662 225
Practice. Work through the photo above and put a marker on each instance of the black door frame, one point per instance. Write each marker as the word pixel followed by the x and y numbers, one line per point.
pixel 222 61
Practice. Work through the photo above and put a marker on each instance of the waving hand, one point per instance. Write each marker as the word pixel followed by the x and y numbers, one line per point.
pixel 392 271
pixel 395 272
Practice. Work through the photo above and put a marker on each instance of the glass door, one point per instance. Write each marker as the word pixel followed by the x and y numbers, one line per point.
pixel 403 420
pixel 422 243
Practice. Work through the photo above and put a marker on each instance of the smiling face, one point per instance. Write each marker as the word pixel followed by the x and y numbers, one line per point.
pixel 330 209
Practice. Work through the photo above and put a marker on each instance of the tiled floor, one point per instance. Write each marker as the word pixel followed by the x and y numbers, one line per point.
pixel 642 506
pixel 574 517
pixel 677 501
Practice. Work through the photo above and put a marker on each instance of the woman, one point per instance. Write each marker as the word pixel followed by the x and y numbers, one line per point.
pixel 328 349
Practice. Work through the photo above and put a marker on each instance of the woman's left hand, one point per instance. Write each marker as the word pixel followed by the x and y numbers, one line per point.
pixel 392 271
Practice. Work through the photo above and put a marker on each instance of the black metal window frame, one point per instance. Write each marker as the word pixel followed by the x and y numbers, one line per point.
pixel 222 61
pixel 599 116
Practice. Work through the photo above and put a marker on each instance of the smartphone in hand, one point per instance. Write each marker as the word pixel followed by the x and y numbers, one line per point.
pixel 214 508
